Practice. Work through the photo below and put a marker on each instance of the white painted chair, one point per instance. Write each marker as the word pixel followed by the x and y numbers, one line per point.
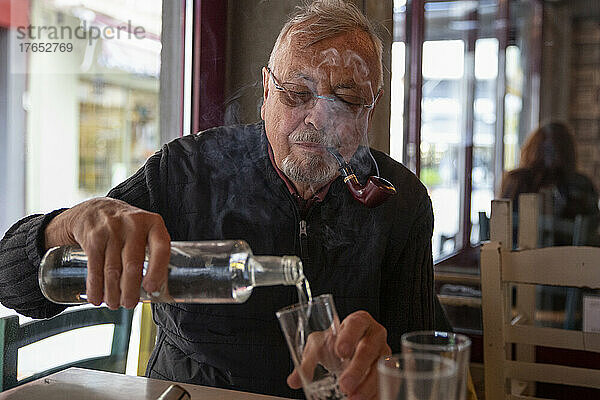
pixel 501 269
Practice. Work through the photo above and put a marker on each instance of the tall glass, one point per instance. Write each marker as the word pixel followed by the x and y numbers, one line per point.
pixel 445 344
pixel 416 377
pixel 310 331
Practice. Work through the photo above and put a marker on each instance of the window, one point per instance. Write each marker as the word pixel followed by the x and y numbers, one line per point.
pixel 93 112
pixel 86 90
pixel 441 148
pixel 484 126
pixel 455 136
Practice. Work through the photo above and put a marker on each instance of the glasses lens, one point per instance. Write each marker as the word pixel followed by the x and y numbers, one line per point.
pixel 295 97
pixel 352 100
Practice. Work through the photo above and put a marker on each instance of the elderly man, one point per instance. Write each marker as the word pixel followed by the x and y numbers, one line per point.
pixel 274 185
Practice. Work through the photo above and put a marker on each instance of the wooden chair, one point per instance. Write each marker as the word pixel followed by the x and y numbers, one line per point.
pixel 506 322
pixel 14 336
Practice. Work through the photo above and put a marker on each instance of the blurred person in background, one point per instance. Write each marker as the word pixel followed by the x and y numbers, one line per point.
pixel 548 165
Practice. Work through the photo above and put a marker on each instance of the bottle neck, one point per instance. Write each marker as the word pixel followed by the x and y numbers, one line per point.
pixel 274 270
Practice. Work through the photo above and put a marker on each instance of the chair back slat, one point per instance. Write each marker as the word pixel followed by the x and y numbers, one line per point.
pixel 528 238
pixel 550 373
pixel 559 266
pixel 542 336
pixel 493 334
pixel 528 234
pixel 9 331
pixel 501 222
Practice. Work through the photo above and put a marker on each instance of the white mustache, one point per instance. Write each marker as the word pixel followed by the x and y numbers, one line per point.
pixel 312 136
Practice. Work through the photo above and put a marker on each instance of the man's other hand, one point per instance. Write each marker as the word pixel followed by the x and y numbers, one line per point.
pixel 362 341
pixel 114 236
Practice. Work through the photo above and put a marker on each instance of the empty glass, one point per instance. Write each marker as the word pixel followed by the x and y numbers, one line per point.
pixel 445 344
pixel 416 377
pixel 310 331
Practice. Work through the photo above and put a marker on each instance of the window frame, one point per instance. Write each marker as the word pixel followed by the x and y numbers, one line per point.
pixel 12 142
pixel 208 64
pixel 173 87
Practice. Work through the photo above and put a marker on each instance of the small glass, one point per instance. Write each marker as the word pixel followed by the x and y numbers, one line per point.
pixel 454 346
pixel 310 331
pixel 416 377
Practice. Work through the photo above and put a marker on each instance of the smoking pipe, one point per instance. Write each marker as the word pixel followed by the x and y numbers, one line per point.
pixel 373 193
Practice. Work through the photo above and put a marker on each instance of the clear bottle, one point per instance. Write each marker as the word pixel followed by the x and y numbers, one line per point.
pixel 220 271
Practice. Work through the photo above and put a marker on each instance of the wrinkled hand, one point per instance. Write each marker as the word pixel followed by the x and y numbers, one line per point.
pixel 114 236
pixel 320 350
pixel 361 340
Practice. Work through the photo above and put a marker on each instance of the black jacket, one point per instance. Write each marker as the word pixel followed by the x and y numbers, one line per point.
pixel 220 184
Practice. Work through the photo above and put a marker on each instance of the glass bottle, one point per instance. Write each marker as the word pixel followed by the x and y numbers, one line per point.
pixel 219 271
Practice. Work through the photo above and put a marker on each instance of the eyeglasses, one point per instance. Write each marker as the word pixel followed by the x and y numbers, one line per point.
pixel 294 95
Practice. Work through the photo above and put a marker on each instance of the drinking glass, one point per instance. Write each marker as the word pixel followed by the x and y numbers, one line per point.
pixel 445 344
pixel 416 377
pixel 310 331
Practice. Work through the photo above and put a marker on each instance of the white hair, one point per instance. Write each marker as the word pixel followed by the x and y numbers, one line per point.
pixel 323 19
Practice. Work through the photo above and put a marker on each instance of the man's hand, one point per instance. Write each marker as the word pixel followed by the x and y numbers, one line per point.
pixel 114 236
pixel 320 350
pixel 361 340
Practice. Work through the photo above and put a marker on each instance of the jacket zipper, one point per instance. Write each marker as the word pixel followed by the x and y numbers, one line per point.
pixel 303 234
pixel 303 240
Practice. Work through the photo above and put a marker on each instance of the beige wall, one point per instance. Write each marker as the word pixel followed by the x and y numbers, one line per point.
pixel 571 77
pixel 556 61
pixel 381 12
pixel 253 26
pixel 555 96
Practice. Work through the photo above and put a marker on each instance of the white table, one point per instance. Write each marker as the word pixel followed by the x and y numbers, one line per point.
pixel 85 384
